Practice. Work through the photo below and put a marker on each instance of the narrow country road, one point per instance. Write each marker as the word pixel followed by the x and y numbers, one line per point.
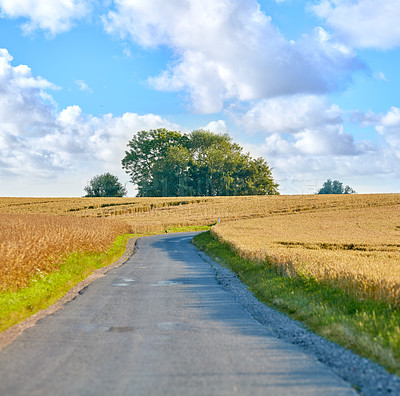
pixel 159 325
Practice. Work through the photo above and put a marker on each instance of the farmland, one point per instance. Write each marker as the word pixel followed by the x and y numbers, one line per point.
pixel 33 245
pixel 319 246
pixel 356 249
pixel 352 240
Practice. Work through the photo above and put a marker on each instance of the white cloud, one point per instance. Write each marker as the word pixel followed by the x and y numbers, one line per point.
pixel 40 145
pixel 331 140
pixel 23 104
pixel 83 86
pixel 315 125
pixel 229 50
pixel 216 127
pixel 310 143
pixel 389 127
pixel 54 16
pixel 297 172
pixel 362 23
pixel 290 114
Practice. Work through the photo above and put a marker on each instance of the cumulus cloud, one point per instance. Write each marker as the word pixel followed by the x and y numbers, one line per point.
pixel 362 23
pixel 299 172
pixel 228 50
pixel 290 114
pixel 389 127
pixel 306 141
pixel 37 142
pixel 216 127
pixel 315 126
pixel 305 158
pixel 54 16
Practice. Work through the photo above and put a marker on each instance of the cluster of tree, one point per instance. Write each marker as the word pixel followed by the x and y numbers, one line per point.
pixel 105 185
pixel 335 187
pixel 169 163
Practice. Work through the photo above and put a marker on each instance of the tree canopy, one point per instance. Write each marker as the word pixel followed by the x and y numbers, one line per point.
pixel 105 185
pixel 335 187
pixel 202 163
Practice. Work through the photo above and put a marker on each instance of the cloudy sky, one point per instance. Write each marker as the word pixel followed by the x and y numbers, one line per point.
pixel 312 86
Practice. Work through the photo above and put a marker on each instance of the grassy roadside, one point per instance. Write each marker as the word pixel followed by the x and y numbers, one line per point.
pixel 369 328
pixel 45 290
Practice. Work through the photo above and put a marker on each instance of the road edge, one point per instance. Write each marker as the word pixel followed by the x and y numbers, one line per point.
pixel 366 377
pixel 11 334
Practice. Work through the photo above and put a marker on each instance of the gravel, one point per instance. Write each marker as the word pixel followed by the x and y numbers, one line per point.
pixel 367 378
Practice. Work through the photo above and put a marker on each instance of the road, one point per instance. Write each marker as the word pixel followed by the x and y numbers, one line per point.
pixel 159 325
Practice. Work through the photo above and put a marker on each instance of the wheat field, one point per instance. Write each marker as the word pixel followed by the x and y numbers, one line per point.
pixel 32 245
pixel 352 241
pixel 356 248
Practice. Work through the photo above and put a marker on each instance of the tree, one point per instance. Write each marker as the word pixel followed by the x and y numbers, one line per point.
pixel 146 148
pixel 335 187
pixel 105 185
pixel 169 163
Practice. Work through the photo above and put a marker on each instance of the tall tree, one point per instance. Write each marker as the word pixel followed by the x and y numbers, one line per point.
pixel 105 185
pixel 168 163
pixel 146 148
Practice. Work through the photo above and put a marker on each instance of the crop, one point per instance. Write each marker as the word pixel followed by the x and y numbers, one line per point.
pixel 350 240
pixel 354 248
pixel 34 245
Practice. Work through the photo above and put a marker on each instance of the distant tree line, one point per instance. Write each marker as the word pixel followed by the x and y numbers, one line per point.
pixel 335 187
pixel 169 163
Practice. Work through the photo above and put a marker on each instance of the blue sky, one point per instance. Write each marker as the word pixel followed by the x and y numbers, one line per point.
pixel 312 86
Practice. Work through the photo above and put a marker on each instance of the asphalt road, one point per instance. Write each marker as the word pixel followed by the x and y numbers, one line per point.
pixel 159 325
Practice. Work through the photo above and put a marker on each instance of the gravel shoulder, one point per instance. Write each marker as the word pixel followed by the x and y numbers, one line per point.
pixel 367 377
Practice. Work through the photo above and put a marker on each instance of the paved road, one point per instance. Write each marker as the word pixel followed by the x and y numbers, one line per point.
pixel 159 325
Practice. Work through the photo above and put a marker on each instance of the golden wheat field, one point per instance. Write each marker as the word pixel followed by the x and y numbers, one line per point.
pixel 355 246
pixel 350 240
pixel 31 245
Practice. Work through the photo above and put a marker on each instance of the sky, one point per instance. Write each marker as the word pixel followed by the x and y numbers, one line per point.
pixel 311 86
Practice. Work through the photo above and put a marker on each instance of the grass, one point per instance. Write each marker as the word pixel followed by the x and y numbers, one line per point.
pixel 369 328
pixel 46 289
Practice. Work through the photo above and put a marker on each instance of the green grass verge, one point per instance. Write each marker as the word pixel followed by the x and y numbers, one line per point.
pixel 46 290
pixel 369 328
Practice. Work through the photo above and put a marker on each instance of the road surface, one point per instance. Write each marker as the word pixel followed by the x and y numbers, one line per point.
pixel 159 325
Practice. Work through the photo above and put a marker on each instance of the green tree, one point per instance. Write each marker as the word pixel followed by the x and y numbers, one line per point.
pixel 105 185
pixel 335 187
pixel 170 174
pixel 145 150
pixel 166 163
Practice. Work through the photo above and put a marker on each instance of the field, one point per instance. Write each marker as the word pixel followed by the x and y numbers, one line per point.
pixel 33 245
pixel 332 262
pixel 351 240
pixel 356 248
